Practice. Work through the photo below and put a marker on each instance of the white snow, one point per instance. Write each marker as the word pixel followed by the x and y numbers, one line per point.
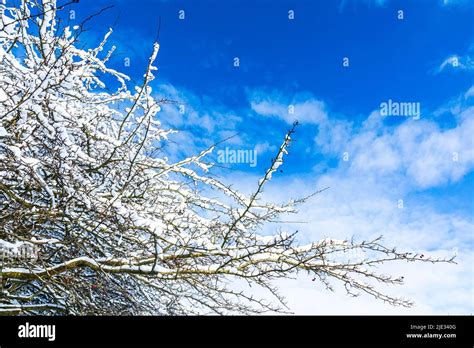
pixel 3 95
pixel 3 132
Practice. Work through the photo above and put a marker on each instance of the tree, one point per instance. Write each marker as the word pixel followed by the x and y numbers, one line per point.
pixel 121 229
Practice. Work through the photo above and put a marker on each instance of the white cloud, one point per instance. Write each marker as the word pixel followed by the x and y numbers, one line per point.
pixel 386 164
pixel 436 289
pixel 469 93
pixel 366 209
pixel 200 121
pixel 456 62
pixel 418 149
pixel 187 109
pixel 265 147
pixel 306 111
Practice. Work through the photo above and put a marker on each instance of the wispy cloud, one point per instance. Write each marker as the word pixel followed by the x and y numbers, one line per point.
pixel 456 62
pixel 416 149
pixel 200 121
pixel 377 191
pixel 366 207
pixel 275 104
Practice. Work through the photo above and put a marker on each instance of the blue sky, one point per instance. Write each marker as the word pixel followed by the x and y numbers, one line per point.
pixel 427 58
pixel 389 57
